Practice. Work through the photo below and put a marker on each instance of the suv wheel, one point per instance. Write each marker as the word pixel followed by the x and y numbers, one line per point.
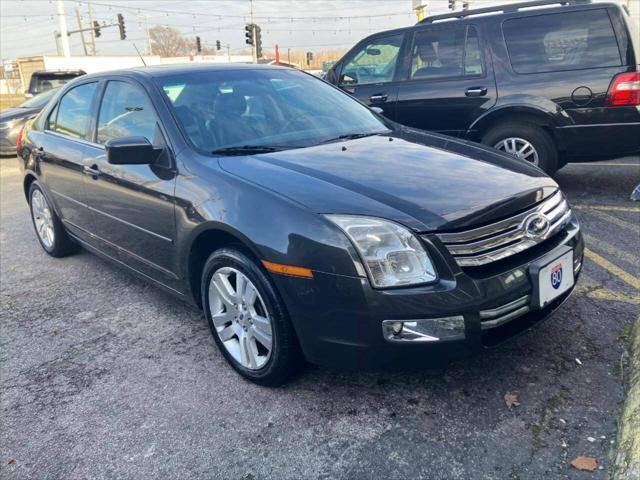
pixel 525 141
pixel 247 319
pixel 51 233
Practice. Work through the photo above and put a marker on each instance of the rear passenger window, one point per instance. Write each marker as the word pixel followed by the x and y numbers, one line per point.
pixel 446 52
pixel 561 41
pixel 74 111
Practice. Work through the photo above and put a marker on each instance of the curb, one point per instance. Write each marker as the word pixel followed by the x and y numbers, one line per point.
pixel 627 463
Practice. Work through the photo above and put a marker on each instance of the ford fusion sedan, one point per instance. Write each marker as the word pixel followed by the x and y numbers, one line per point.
pixel 13 119
pixel 305 225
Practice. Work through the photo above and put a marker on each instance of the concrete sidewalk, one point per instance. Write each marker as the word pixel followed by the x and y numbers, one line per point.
pixel 628 457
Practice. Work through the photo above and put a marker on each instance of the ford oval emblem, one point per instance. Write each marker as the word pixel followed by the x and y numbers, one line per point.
pixel 535 225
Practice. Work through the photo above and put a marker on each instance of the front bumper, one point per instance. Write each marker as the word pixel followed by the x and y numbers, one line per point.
pixel 339 319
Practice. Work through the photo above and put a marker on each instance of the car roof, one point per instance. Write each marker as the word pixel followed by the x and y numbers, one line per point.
pixel 174 69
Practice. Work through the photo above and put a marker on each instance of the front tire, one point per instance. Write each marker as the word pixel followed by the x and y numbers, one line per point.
pixel 526 141
pixel 247 319
pixel 49 229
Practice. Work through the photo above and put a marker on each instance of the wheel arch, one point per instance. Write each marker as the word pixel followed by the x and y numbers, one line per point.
pixel 206 239
pixel 29 178
pixel 511 113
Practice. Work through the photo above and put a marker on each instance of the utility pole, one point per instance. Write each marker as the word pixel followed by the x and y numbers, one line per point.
pixel 84 45
pixel 254 53
pixel 62 26
pixel 229 52
pixel 146 26
pixel 93 33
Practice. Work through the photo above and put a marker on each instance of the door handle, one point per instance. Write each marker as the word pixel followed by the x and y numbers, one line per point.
pixel 92 170
pixel 378 98
pixel 476 91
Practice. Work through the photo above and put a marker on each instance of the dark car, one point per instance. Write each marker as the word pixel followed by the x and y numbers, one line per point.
pixel 44 80
pixel 303 223
pixel 550 81
pixel 13 119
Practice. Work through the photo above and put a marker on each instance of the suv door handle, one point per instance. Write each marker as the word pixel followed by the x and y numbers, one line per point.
pixel 378 98
pixel 476 91
pixel 92 170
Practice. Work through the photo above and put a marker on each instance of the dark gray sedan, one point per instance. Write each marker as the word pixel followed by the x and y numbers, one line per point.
pixel 13 119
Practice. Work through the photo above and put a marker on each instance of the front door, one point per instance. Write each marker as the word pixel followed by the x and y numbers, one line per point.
pixel 133 205
pixel 65 152
pixel 449 84
pixel 369 72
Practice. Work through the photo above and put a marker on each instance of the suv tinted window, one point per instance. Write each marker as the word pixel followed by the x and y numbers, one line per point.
pixel 74 110
pixel 126 112
pixel 561 41
pixel 453 51
pixel 374 62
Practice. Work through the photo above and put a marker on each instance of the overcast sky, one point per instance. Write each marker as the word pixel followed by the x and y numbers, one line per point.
pixel 27 26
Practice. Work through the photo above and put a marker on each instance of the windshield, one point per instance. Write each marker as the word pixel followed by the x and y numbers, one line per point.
pixel 39 101
pixel 271 108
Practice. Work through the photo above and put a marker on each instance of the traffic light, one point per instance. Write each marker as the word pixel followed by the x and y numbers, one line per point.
pixel 466 4
pixel 123 32
pixel 96 28
pixel 452 4
pixel 198 45
pixel 218 45
pixel 258 32
pixel 248 34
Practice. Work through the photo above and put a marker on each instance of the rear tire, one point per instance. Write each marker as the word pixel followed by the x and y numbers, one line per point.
pixel 510 137
pixel 242 316
pixel 49 229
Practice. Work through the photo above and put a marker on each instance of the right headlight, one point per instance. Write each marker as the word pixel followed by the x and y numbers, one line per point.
pixel 392 255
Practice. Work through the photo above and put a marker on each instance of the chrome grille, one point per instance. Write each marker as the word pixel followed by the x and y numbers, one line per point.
pixel 499 240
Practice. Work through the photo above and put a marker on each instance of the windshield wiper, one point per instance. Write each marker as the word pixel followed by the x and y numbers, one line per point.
pixel 351 136
pixel 249 149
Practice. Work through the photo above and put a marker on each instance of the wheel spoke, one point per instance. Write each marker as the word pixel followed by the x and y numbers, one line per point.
pixel 241 285
pixel 222 318
pixel 250 295
pixel 224 289
pixel 226 333
pixel 261 336
pixel 245 354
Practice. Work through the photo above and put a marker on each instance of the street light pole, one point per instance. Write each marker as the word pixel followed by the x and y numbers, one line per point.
pixel 62 27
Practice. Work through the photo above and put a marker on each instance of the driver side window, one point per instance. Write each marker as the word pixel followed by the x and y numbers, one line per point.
pixel 375 62
pixel 126 112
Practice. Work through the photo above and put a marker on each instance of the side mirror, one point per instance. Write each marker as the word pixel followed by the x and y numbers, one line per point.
pixel 378 110
pixel 373 51
pixel 131 151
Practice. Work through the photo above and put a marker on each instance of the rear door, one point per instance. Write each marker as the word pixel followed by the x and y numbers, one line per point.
pixel 65 151
pixel 570 57
pixel 370 71
pixel 449 82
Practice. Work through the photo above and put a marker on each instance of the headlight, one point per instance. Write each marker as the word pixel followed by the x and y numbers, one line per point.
pixel 392 255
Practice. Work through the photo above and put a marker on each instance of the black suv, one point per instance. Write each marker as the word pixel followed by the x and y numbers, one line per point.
pixel 549 81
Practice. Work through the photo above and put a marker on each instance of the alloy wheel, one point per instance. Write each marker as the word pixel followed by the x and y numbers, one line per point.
pixel 240 318
pixel 42 218
pixel 519 147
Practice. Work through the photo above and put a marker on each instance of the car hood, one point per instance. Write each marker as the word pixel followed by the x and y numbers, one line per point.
pixel 17 113
pixel 426 182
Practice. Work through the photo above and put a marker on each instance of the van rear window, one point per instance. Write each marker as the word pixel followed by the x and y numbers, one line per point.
pixel 561 41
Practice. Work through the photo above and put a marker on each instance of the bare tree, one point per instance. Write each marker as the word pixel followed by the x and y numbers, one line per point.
pixel 168 42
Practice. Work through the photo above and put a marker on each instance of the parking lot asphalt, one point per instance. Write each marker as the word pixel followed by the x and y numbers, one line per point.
pixel 104 376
